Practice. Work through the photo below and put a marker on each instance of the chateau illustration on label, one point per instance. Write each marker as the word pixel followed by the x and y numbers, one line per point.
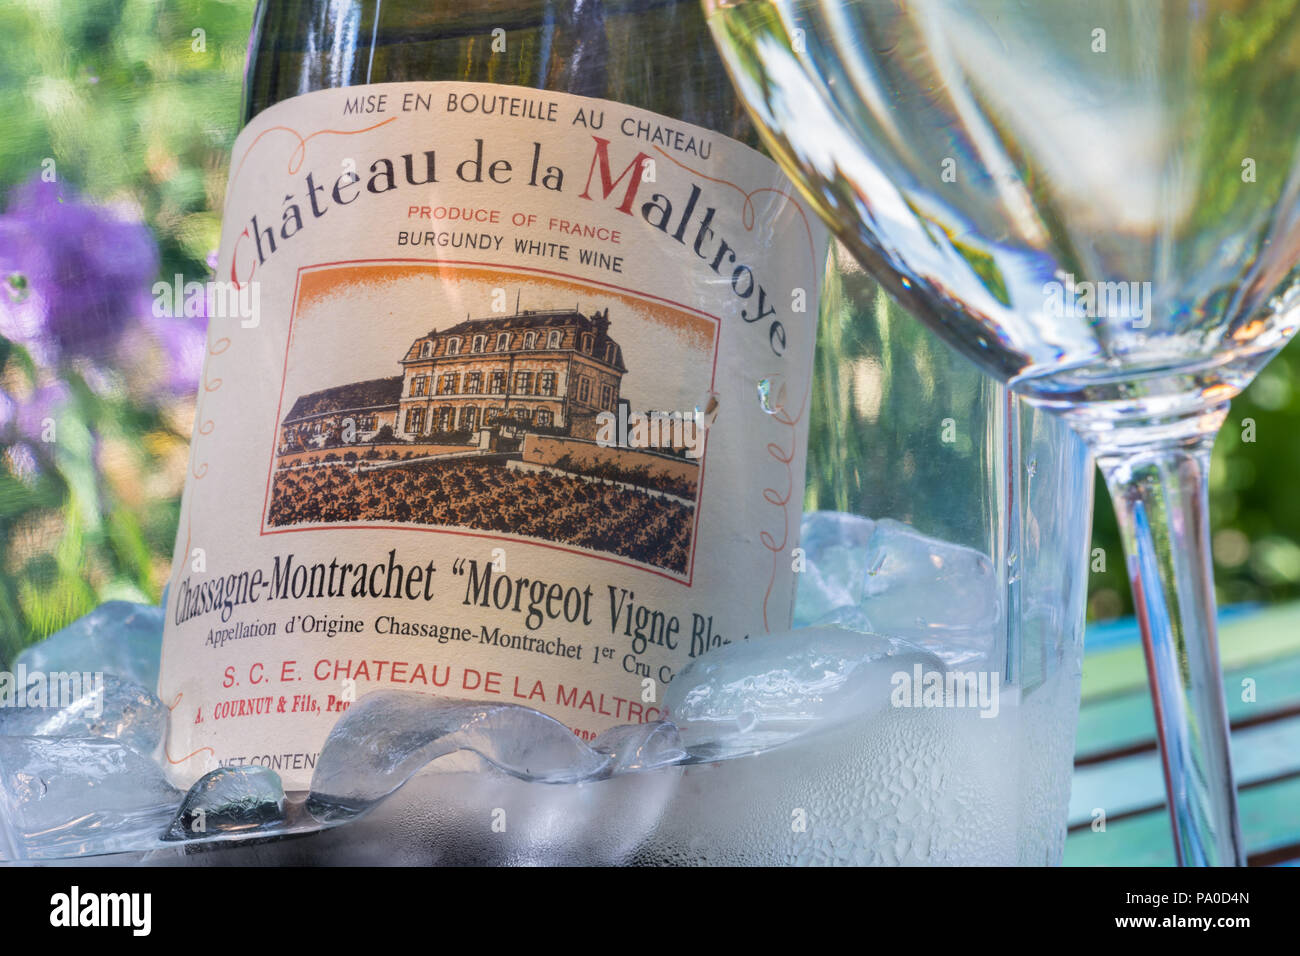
pixel 571 416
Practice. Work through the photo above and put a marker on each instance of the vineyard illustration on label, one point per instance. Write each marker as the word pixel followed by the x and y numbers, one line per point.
pixel 524 417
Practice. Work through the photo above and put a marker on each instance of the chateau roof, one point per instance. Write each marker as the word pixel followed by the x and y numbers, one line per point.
pixel 376 393
pixel 527 319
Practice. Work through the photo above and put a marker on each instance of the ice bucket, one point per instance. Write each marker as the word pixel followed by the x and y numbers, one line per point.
pixel 921 711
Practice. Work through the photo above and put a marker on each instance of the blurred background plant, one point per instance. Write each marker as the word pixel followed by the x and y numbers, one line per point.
pixel 119 116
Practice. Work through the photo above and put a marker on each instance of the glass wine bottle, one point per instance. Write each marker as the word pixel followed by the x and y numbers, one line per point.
pixel 522 281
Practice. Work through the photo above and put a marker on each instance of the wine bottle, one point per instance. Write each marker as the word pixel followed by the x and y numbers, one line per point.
pixel 507 377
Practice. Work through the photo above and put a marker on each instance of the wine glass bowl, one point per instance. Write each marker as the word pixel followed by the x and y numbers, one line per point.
pixel 1099 203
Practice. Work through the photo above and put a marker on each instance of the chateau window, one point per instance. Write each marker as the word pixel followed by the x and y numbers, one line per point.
pixel 543 416
pixel 503 342
pixel 426 349
pixel 606 396
pixel 415 421
pixel 492 415
pixel 586 342
pixel 545 383
pixel 473 382
pixel 498 382
pixel 445 414
pixel 468 415
pixel 523 383
pixel 553 339
pixel 609 354
pixel 447 384
pixel 522 414
pixel 453 346
pixel 480 343
pixel 530 340
pixel 419 385
pixel 584 390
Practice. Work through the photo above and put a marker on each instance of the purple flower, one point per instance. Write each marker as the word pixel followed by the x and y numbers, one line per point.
pixel 41 407
pixel 27 427
pixel 80 274
pixel 29 418
pixel 173 352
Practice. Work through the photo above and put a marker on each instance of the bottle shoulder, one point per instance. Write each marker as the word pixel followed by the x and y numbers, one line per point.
pixel 652 54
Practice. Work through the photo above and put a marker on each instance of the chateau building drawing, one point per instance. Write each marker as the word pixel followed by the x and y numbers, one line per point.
pixel 554 370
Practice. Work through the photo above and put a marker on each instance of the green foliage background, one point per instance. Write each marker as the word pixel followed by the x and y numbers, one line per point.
pixel 136 108
pixel 137 111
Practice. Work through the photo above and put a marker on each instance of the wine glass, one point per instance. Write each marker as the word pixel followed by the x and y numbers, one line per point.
pixel 1098 202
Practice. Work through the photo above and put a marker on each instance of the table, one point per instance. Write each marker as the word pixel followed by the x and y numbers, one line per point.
pixel 1117 768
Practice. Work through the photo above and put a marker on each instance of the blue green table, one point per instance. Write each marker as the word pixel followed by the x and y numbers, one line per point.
pixel 1117 805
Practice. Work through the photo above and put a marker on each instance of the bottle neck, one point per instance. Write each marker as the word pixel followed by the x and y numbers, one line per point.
pixel 655 54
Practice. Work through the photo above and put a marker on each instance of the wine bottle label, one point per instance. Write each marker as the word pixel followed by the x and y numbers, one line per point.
pixel 505 398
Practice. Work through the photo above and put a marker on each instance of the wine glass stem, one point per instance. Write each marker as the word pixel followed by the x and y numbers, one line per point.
pixel 1160 490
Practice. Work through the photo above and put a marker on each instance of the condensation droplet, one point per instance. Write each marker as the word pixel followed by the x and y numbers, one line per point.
pixel 17 287
pixel 1031 467
pixel 877 564
pixel 765 396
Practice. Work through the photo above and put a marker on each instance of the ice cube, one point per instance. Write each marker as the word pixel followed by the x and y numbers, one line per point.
pixel 634 747
pixel 115 708
pixel 835 570
pixel 79 796
pixel 387 736
pixel 886 577
pixel 942 596
pixel 116 638
pixel 765 691
pixel 230 800
pixel 485 817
